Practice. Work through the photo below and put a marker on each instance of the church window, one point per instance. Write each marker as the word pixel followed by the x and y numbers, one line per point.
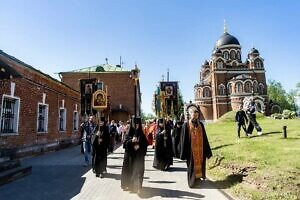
pixel 222 90
pixel 258 64
pixel 238 55
pixel 226 55
pixel 255 87
pixel 261 88
pixel 232 54
pixel 219 64
pixel 238 88
pixel 248 87
pixel 206 92
pixel 229 89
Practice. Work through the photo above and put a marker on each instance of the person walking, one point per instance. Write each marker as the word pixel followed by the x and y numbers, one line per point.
pixel 240 119
pixel 163 154
pixel 133 168
pixel 194 148
pixel 251 111
pixel 89 131
pixel 100 147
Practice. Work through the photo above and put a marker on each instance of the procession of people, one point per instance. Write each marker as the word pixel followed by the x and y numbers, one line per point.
pixel 185 140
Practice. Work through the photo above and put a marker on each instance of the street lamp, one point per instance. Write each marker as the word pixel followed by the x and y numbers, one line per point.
pixel 135 76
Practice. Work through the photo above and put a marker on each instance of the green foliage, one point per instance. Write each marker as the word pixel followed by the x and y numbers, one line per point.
pixel 147 116
pixel 276 116
pixel 278 94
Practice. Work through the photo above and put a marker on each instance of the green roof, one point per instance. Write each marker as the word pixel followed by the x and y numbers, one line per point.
pixel 101 68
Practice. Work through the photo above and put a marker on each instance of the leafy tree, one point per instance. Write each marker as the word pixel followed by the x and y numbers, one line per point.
pixel 277 93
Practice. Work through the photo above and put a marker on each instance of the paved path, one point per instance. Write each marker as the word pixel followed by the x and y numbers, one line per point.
pixel 61 175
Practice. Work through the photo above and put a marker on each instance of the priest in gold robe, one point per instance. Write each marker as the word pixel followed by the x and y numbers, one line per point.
pixel 194 148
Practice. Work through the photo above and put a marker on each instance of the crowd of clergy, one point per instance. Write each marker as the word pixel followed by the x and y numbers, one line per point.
pixel 182 139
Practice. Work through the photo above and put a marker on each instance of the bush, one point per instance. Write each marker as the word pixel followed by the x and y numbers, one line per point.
pixel 276 116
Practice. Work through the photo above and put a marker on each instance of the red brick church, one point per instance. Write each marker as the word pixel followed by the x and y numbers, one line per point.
pixel 226 81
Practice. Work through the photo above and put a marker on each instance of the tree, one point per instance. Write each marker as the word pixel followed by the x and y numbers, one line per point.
pixel 278 94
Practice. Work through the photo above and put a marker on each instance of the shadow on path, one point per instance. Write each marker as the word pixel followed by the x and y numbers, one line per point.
pixel 228 182
pixel 148 192
pixel 47 182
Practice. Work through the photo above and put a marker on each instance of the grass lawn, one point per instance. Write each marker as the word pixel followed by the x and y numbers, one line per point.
pixel 256 167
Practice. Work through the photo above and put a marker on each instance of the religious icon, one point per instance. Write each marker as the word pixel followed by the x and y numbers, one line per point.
pixel 169 90
pixel 88 88
pixel 99 99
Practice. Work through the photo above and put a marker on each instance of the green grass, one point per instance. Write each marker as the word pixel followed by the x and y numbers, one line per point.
pixel 259 167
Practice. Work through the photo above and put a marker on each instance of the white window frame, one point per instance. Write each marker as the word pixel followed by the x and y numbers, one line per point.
pixel 64 121
pixel 16 120
pixel 75 124
pixel 46 118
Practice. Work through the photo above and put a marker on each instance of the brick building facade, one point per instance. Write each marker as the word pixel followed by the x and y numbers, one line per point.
pixel 120 85
pixel 226 82
pixel 37 113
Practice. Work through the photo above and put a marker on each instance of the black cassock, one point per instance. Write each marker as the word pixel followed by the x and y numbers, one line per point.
pixel 100 146
pixel 187 154
pixel 134 160
pixel 163 156
pixel 176 132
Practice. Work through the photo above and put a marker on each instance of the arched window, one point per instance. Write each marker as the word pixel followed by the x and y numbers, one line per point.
pixel 258 64
pixel 199 93
pixel 206 92
pixel 221 90
pixel 261 88
pixel 226 55
pixel 232 54
pixel 238 87
pixel 248 87
pixel 255 87
pixel 238 55
pixel 219 64
pixel 229 88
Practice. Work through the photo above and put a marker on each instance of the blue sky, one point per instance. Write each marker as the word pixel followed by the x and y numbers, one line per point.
pixel 55 36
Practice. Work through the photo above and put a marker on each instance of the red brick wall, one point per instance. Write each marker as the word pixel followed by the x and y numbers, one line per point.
pixel 119 85
pixel 30 89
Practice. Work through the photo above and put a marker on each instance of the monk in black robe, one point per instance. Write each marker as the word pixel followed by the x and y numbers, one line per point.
pixel 163 156
pixel 194 148
pixel 135 146
pixel 100 146
pixel 176 132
